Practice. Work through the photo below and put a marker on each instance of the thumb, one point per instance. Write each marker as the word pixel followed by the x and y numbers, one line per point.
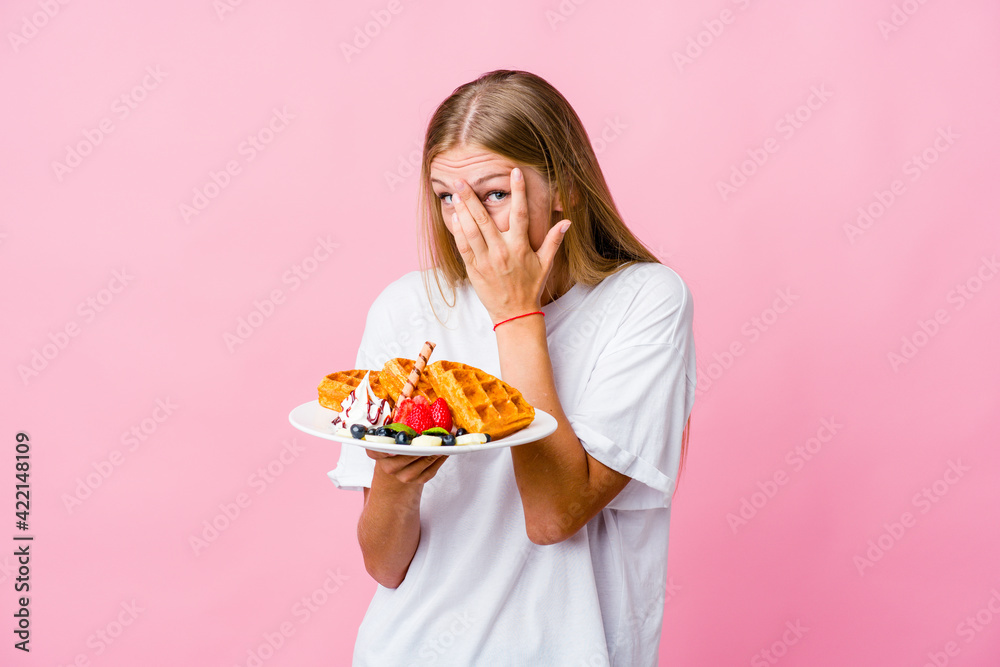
pixel 552 242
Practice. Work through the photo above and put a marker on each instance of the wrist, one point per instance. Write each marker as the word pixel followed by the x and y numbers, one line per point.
pixel 518 316
pixel 392 487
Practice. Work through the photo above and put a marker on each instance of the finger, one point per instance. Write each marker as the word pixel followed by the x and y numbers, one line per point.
pixel 547 253
pixel 432 469
pixel 377 455
pixel 463 245
pixel 518 205
pixel 420 470
pixel 463 222
pixel 468 207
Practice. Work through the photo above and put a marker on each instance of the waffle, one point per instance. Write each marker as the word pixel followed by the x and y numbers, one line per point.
pixel 479 402
pixel 335 387
pixel 393 376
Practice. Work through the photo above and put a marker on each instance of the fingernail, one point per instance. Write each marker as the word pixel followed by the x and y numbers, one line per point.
pixel 565 226
pixel 516 174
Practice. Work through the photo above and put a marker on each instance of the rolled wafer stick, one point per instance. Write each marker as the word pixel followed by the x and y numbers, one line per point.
pixel 418 368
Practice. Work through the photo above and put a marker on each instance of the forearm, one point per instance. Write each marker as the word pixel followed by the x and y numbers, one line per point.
pixel 389 528
pixel 553 472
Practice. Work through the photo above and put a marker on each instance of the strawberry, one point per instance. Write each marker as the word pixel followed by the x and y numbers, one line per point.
pixel 420 399
pixel 419 418
pixel 441 414
pixel 402 410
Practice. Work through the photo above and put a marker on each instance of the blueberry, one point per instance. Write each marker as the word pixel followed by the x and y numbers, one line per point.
pixel 460 431
pixel 488 437
pixel 448 440
pixel 358 431
pixel 371 430
pixel 380 430
pixel 402 438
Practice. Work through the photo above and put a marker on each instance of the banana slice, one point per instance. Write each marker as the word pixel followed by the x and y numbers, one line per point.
pixel 471 439
pixel 426 441
pixel 381 439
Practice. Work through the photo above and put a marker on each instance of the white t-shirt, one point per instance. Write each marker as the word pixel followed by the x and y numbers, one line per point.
pixel 478 591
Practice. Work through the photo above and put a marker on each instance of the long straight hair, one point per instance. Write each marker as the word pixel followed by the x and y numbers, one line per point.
pixel 523 118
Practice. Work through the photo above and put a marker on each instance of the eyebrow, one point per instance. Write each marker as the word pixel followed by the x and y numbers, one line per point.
pixel 476 183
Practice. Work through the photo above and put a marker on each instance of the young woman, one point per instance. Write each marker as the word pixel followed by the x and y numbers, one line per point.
pixel 554 552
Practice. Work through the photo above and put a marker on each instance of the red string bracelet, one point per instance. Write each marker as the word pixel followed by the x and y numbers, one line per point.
pixel 537 312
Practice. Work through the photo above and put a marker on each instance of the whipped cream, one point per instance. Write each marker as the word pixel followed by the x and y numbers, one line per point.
pixel 362 407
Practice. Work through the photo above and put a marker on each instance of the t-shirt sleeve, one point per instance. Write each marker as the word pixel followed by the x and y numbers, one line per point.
pixel 640 393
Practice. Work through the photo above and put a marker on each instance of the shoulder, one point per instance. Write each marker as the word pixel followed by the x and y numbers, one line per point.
pixel 411 291
pixel 656 303
pixel 404 286
pixel 652 285
pixel 414 296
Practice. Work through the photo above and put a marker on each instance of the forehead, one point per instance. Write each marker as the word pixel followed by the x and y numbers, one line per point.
pixel 468 159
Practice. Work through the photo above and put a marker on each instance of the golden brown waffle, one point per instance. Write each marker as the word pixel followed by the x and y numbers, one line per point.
pixel 336 386
pixel 479 402
pixel 393 376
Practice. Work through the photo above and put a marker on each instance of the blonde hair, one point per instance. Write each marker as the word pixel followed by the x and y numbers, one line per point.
pixel 521 117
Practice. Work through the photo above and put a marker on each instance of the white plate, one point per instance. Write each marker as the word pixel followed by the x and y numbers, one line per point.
pixel 314 419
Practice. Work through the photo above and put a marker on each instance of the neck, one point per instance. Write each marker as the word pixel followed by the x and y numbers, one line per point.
pixel 556 285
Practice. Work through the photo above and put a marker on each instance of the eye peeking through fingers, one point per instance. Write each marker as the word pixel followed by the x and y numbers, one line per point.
pixel 492 197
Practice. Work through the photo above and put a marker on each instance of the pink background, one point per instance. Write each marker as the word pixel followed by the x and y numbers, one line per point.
pixel 336 169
